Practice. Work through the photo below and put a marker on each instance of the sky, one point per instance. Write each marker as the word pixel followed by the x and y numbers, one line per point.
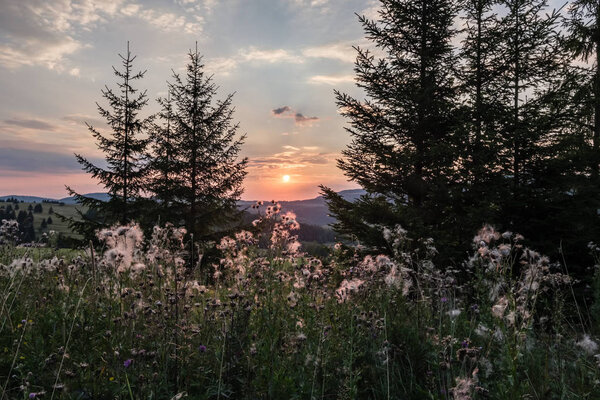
pixel 282 59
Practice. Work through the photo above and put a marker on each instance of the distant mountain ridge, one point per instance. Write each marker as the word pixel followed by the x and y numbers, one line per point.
pixel 66 200
pixel 311 211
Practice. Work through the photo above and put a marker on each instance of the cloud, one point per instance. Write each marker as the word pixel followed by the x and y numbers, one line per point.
pixel 372 11
pixel 165 21
pixel 171 22
pixel 221 66
pixel 269 56
pixel 26 160
pixel 293 158
pixel 302 120
pixel 206 7
pixel 332 80
pixel 341 51
pixel 281 110
pixel 45 33
pixel 224 66
pixel 288 112
pixel 130 10
pixel 82 119
pixel 311 3
pixel 30 124
pixel 49 52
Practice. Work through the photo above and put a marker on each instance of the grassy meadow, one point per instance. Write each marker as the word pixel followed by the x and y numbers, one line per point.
pixel 130 319
pixel 57 225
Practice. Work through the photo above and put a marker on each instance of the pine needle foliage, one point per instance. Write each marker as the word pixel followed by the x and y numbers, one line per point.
pixel 403 145
pixel 208 173
pixel 123 173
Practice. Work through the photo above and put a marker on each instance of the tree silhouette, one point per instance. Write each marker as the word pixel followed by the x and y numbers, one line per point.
pixel 124 173
pixel 404 144
pixel 208 175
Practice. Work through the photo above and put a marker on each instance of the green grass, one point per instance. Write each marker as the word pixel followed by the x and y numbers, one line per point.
pixel 273 324
pixel 67 210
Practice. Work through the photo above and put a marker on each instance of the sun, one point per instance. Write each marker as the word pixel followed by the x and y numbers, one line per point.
pixel 286 178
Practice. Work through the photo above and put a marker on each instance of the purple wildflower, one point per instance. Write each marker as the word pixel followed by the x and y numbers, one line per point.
pixel 444 299
pixel 32 395
pixel 128 363
pixel 202 348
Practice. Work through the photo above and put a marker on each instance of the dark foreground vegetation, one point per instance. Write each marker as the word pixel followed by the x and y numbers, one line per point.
pixel 134 321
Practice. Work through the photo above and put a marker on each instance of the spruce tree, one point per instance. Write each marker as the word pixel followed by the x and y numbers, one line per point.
pixel 208 173
pixel 404 145
pixel 531 80
pixel 124 174
pixel 583 42
pixel 579 145
pixel 481 115
pixel 529 47
pixel 163 178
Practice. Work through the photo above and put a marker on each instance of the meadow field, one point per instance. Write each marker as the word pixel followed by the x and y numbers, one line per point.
pixel 144 318
pixel 48 210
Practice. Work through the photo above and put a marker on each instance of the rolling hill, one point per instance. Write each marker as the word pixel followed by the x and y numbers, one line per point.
pixel 311 211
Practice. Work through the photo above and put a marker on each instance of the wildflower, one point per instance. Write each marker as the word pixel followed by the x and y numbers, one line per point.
pixel 588 345
pixel 454 313
pixel 504 250
pixel 482 330
pixel 444 299
pixel 465 387
pixel 33 395
pixel 202 348
pixel 127 363
pixel 499 308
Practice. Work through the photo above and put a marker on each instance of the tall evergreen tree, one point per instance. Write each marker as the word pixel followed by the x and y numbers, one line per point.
pixel 579 144
pixel 208 173
pixel 481 111
pixel 164 178
pixel 404 146
pixel 124 174
pixel 583 42
pixel 530 90
pixel 530 49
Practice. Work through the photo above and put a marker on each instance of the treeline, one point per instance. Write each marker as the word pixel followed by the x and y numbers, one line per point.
pixel 180 165
pixel 24 218
pixel 476 111
pixel 27 232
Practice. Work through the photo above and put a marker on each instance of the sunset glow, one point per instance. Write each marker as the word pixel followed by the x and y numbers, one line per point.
pixel 283 89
